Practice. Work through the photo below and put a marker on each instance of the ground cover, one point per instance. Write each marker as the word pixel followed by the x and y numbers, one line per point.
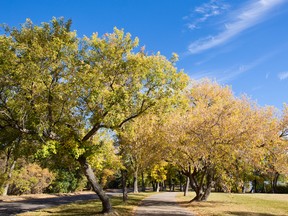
pixel 238 204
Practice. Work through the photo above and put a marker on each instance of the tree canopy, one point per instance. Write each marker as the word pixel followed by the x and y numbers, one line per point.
pixel 60 90
pixel 66 98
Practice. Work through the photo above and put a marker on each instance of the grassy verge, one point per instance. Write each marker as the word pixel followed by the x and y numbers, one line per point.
pixel 238 204
pixel 93 207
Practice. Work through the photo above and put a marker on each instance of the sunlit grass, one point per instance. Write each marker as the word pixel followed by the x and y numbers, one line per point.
pixel 238 204
pixel 93 207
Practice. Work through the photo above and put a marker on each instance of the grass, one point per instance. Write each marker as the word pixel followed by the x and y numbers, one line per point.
pixel 238 204
pixel 93 207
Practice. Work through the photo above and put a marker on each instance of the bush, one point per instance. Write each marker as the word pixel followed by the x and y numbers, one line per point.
pixel 67 181
pixel 30 179
pixel 282 189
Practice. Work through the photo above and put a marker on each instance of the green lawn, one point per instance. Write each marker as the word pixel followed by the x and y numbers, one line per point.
pixel 238 204
pixel 92 207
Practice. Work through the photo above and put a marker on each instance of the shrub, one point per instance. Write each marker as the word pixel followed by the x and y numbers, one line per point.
pixel 30 179
pixel 67 181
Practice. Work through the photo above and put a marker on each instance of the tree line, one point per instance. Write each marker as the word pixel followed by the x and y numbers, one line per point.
pixel 102 107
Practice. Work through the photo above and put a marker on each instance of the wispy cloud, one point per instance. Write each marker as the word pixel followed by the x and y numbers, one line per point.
pixel 229 74
pixel 205 11
pixel 248 16
pixel 283 75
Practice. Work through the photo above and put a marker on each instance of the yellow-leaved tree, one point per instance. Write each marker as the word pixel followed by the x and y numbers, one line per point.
pixel 216 137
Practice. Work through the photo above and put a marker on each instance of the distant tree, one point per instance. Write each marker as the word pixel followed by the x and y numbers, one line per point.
pixel 139 144
pixel 275 149
pixel 208 139
pixel 159 174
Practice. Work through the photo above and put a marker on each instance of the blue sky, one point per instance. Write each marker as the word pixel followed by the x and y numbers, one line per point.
pixel 241 43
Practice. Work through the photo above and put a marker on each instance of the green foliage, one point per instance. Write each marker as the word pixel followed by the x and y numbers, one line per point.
pixel 60 90
pixel 104 159
pixel 66 181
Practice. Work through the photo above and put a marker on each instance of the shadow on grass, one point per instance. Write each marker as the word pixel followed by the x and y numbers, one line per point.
pixel 78 205
pixel 94 208
pixel 250 213
pixel 202 203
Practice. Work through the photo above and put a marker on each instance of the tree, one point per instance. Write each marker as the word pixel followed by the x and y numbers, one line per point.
pixel 62 90
pixel 275 159
pixel 207 139
pixel 139 145
pixel 158 173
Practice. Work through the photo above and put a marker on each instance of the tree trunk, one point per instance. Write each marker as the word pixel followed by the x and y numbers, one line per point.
pixel 106 205
pixel 157 187
pixel 196 188
pixel 153 186
pixel 135 181
pixel 124 185
pixel 274 182
pixel 143 182
pixel 207 191
pixel 9 171
pixel 170 184
pixel 180 181
pixel 209 184
pixel 186 186
pixel 163 188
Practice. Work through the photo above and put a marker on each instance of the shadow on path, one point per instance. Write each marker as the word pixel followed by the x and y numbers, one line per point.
pixel 161 204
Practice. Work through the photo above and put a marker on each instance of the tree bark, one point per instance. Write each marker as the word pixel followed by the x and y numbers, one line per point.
pixel 274 182
pixel 180 182
pixel 153 186
pixel 9 171
pixel 209 185
pixel 135 181
pixel 143 182
pixel 124 185
pixel 196 187
pixel 157 187
pixel 106 205
pixel 186 186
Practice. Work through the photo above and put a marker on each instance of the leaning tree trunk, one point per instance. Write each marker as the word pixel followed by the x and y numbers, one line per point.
pixel 106 205
pixel 197 187
pixel 135 181
pixel 209 185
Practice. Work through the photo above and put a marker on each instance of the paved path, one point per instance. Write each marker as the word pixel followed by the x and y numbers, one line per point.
pixel 161 204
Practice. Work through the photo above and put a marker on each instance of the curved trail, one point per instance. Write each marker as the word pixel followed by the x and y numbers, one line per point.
pixel 161 204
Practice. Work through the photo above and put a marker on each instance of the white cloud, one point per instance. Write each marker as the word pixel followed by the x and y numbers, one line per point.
pixel 248 16
pixel 229 74
pixel 205 11
pixel 283 75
